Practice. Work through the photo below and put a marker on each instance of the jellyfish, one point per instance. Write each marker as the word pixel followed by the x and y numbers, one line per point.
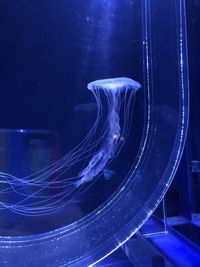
pixel 95 152
pixel 113 89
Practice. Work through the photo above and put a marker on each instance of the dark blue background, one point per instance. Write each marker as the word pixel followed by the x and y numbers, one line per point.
pixel 50 50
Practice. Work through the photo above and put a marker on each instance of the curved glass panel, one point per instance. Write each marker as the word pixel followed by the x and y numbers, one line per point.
pixel 126 134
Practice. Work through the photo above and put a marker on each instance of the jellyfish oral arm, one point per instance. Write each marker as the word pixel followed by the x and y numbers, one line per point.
pixel 107 150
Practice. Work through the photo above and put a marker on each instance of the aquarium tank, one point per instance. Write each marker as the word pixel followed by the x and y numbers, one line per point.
pixel 94 116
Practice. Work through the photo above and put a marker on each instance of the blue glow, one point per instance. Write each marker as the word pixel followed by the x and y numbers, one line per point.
pixel 108 174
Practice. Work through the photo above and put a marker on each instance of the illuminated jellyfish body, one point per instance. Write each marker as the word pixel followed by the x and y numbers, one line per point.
pixel 113 89
pixel 99 148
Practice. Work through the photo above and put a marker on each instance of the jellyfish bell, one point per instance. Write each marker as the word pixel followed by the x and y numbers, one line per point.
pixel 114 84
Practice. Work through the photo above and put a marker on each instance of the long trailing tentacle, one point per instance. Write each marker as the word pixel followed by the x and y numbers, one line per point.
pixel 99 148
